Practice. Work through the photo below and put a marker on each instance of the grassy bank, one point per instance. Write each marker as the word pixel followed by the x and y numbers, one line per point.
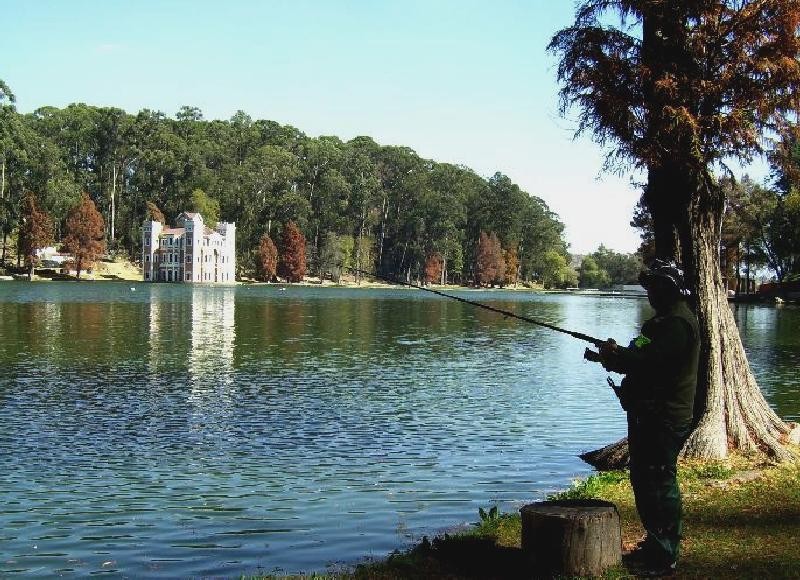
pixel 742 520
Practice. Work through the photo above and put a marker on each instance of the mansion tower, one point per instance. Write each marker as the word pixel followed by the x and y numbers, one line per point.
pixel 189 252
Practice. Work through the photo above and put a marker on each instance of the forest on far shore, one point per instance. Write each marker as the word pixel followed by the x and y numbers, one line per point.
pixel 379 208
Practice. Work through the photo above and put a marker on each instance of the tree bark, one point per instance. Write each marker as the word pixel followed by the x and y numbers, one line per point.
pixel 735 413
pixel 113 201
pixel 730 409
pixel 571 537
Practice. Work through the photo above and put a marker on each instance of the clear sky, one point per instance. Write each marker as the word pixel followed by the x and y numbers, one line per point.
pixel 458 81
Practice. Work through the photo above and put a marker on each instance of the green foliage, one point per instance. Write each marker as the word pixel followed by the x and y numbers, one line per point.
pixel 593 487
pixel 718 516
pixel 205 206
pixel 762 225
pixel 707 470
pixel 605 268
pixel 592 275
pixel 555 271
pixel 336 256
pixel 621 268
pixel 395 207
pixel 488 517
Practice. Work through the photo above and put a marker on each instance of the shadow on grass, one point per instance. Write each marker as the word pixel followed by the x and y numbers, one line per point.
pixel 755 567
pixel 757 517
pixel 453 557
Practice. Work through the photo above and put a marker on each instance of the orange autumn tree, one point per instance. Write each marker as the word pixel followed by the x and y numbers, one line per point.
pixel 267 260
pixel 292 262
pixel 35 231
pixel 85 233
pixel 433 268
pixel 511 258
pixel 674 89
pixel 490 267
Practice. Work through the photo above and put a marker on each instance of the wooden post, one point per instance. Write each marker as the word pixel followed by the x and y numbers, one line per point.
pixel 571 537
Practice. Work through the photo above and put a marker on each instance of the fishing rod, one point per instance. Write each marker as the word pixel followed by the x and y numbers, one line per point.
pixel 589 355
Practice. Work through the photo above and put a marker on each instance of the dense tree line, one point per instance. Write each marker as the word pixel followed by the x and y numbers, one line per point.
pixel 605 268
pixel 357 203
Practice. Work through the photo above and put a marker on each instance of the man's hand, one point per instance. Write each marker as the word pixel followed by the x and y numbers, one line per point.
pixel 607 349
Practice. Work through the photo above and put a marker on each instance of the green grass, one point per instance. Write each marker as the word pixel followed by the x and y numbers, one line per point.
pixel 592 487
pixel 742 520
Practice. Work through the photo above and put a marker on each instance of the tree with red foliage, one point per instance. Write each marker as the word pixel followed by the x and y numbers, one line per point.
pixel 490 267
pixel 433 268
pixel 35 231
pixel 267 263
pixel 292 263
pixel 85 235
pixel 499 260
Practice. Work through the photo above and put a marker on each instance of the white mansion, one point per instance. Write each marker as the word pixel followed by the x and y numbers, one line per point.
pixel 189 252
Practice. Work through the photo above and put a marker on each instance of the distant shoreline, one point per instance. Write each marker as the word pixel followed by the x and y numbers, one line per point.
pixel 316 283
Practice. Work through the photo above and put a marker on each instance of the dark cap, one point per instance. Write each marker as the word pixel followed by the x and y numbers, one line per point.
pixel 667 271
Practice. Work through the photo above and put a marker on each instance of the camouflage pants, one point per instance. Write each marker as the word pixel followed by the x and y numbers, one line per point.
pixel 654 448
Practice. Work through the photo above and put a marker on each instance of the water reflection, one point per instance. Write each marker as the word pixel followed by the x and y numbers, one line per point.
pixel 213 336
pixel 192 431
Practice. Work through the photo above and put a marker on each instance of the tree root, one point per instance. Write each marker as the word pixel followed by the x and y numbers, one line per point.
pixel 609 458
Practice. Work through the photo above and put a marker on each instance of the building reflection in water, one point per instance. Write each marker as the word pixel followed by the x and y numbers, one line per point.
pixel 213 334
pixel 192 333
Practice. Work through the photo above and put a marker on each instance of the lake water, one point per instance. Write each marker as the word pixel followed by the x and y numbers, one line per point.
pixel 174 431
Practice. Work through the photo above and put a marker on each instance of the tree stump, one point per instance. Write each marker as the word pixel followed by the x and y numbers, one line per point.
pixel 571 537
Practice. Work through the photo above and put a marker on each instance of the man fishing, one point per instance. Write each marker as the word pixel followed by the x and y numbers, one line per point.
pixel 660 368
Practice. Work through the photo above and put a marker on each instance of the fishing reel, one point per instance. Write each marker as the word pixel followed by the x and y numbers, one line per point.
pixel 592 355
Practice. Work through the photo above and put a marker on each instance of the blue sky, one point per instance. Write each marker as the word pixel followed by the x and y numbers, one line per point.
pixel 457 80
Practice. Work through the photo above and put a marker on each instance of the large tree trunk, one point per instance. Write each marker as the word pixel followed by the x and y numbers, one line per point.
pixel 731 410
pixel 735 413
pixel 113 202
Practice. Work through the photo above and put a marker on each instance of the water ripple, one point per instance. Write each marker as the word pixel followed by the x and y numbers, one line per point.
pixel 181 431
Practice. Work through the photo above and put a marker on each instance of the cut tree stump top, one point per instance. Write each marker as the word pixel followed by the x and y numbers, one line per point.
pixel 570 508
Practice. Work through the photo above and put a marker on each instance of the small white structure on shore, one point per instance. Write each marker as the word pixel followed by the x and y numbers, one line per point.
pixel 189 252
pixel 50 257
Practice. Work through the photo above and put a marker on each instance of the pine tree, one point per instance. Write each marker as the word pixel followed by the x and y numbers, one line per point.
pixel 267 262
pixel 85 236
pixel 35 231
pixel 433 268
pixel 485 263
pixel 498 259
pixel 292 262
